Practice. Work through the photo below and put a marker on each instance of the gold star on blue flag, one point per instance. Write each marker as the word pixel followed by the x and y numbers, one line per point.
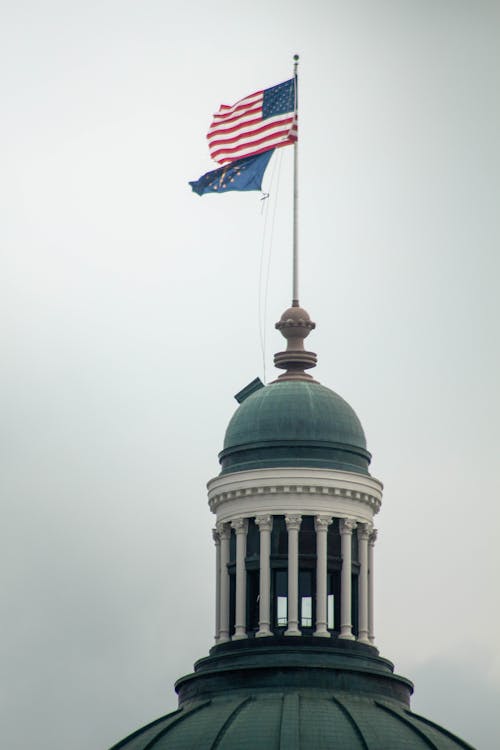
pixel 243 174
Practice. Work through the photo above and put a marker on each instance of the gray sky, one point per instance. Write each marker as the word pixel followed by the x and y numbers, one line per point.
pixel 130 318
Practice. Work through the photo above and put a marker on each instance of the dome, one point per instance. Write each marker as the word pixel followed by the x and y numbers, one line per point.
pixel 294 423
pixel 326 699
pixel 292 720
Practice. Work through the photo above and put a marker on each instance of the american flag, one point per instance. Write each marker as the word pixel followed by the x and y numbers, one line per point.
pixel 255 124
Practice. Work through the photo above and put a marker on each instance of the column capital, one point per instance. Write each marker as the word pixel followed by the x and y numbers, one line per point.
pixel 364 531
pixel 264 522
pixel 373 536
pixel 321 523
pixel 293 521
pixel 347 526
pixel 240 525
pixel 224 530
pixel 216 536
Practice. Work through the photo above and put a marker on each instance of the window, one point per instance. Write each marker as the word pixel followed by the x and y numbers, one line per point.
pixel 333 601
pixel 232 597
pixel 252 600
pixel 330 610
pixel 334 542
pixel 281 598
pixel 306 598
pixel 279 536
pixel 306 612
pixel 253 541
pixel 354 604
pixel 307 537
pixel 282 617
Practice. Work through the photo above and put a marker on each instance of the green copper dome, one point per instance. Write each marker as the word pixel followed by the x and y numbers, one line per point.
pixel 294 423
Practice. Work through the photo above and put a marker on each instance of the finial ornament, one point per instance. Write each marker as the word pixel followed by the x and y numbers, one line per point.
pixel 295 325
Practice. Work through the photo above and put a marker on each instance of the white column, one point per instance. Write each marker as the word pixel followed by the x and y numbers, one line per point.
pixel 321 524
pixel 216 538
pixel 224 536
pixel 364 531
pixel 265 524
pixel 347 525
pixel 371 629
pixel 240 525
pixel 293 522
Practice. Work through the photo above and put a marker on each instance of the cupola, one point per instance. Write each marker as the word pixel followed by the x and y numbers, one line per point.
pixel 294 506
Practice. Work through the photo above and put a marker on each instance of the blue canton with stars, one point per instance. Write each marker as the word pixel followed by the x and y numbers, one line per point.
pixel 279 99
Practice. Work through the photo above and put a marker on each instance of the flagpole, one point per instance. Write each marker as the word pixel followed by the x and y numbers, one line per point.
pixel 295 293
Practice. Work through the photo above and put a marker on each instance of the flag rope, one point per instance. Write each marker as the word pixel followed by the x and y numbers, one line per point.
pixel 264 275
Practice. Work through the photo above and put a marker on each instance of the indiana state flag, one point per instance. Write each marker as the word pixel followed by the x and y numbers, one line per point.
pixel 243 174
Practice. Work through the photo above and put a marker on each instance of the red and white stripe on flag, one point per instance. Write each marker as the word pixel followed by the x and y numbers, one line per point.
pixel 240 130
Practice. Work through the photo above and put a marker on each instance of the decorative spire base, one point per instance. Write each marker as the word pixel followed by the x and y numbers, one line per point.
pixel 295 325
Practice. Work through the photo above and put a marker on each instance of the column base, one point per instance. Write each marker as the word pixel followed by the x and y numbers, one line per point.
pixel 322 633
pixel 223 639
pixel 239 636
pixel 363 638
pixel 263 633
pixel 347 635
pixel 292 631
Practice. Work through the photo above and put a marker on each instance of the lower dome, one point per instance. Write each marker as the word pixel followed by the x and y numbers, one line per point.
pixel 248 695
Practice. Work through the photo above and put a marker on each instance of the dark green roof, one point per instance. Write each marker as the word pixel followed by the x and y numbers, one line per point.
pixel 275 697
pixel 293 721
pixel 294 423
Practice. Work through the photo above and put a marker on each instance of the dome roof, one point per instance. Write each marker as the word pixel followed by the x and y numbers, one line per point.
pixel 292 720
pixel 294 423
pixel 326 699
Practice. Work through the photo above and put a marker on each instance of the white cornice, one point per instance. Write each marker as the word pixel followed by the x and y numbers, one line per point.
pixel 308 490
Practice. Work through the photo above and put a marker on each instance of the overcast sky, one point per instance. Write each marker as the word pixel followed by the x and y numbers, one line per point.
pixel 130 317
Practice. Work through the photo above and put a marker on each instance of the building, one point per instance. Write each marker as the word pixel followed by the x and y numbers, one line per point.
pixel 294 665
